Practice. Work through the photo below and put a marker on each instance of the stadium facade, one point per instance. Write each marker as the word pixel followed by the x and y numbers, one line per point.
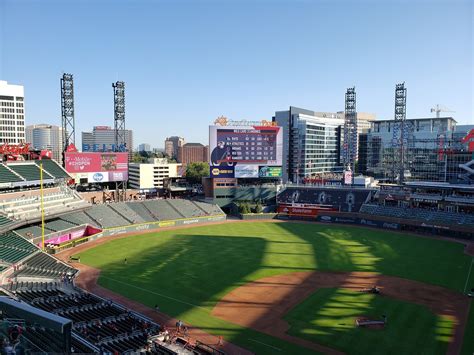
pixel 434 151
pixel 12 113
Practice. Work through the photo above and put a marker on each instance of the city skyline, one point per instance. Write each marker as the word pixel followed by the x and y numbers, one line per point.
pixel 183 67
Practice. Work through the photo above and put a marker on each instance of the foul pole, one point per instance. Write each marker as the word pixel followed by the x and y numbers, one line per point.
pixel 41 203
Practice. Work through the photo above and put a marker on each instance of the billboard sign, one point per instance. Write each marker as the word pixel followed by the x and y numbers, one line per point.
pixel 103 148
pixel 98 167
pixel 347 177
pixel 246 171
pixel 221 171
pixel 298 211
pixel 270 172
pixel 245 144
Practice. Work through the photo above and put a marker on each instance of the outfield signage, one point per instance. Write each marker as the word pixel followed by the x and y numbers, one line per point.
pixel 221 172
pixel 270 172
pixel 361 221
pixel 298 211
pixel 97 167
pixel 246 171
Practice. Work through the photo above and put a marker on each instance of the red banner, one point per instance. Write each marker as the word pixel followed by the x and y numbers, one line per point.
pixel 298 211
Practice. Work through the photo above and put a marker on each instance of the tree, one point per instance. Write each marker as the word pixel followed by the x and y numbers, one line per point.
pixel 258 208
pixel 137 158
pixel 196 171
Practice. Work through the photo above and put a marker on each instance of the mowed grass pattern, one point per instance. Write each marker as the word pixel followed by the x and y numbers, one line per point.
pixel 186 271
pixel 328 317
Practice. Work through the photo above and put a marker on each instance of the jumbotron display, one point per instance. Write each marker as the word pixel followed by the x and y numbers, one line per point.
pixel 259 145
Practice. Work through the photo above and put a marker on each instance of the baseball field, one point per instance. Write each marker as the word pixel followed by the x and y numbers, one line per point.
pixel 294 288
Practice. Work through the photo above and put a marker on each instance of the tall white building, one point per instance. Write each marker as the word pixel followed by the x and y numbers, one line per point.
pixel 12 113
pixel 151 175
pixel 46 136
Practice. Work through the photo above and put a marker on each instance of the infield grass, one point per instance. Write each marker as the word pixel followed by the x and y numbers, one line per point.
pixel 328 317
pixel 186 271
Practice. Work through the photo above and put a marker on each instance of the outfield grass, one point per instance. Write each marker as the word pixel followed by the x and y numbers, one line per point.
pixel 186 271
pixel 328 316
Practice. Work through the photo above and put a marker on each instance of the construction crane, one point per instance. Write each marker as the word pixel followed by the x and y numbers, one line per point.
pixel 439 109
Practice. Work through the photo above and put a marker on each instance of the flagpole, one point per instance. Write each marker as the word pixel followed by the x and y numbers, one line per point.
pixel 42 206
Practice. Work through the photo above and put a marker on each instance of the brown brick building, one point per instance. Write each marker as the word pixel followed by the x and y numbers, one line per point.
pixel 192 152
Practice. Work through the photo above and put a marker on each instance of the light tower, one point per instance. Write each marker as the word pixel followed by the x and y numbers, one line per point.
pixel 400 133
pixel 119 126
pixel 67 111
pixel 349 152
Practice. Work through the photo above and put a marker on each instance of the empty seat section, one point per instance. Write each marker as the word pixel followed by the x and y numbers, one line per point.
pixel 59 225
pixel 29 172
pixel 14 248
pixel 53 168
pixel 106 216
pixel 162 209
pixel 43 265
pixel 125 211
pixel 6 175
pixel 142 211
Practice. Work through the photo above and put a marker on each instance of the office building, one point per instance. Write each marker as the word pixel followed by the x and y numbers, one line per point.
pixel 102 139
pixel 12 113
pixel 311 142
pixel 48 137
pixel 192 153
pixel 172 145
pixel 151 175
pixel 434 150
pixel 144 147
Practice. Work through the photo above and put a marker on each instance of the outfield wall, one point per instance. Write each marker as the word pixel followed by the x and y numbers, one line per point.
pixel 457 231
pixel 142 227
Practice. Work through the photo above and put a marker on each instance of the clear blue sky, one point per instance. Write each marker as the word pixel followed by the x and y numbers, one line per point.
pixel 187 62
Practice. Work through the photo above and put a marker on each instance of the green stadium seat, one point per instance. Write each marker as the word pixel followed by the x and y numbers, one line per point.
pixel 6 175
pixel 53 168
pixel 29 171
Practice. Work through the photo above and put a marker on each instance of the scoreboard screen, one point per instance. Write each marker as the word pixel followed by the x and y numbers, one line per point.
pixel 259 145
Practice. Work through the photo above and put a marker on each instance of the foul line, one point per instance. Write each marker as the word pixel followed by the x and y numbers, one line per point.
pixel 155 293
pixel 270 346
pixel 468 275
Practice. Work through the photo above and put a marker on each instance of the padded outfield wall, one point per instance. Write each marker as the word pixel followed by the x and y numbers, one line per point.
pixel 142 227
pixel 457 231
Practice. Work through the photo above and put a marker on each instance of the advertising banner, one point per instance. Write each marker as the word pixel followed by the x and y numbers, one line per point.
pixel 98 177
pixel 270 172
pixel 347 177
pixel 298 211
pixel 97 167
pixel 246 171
pixel 221 172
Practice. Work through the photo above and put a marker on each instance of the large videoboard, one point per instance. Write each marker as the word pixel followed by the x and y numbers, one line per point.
pixel 245 145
